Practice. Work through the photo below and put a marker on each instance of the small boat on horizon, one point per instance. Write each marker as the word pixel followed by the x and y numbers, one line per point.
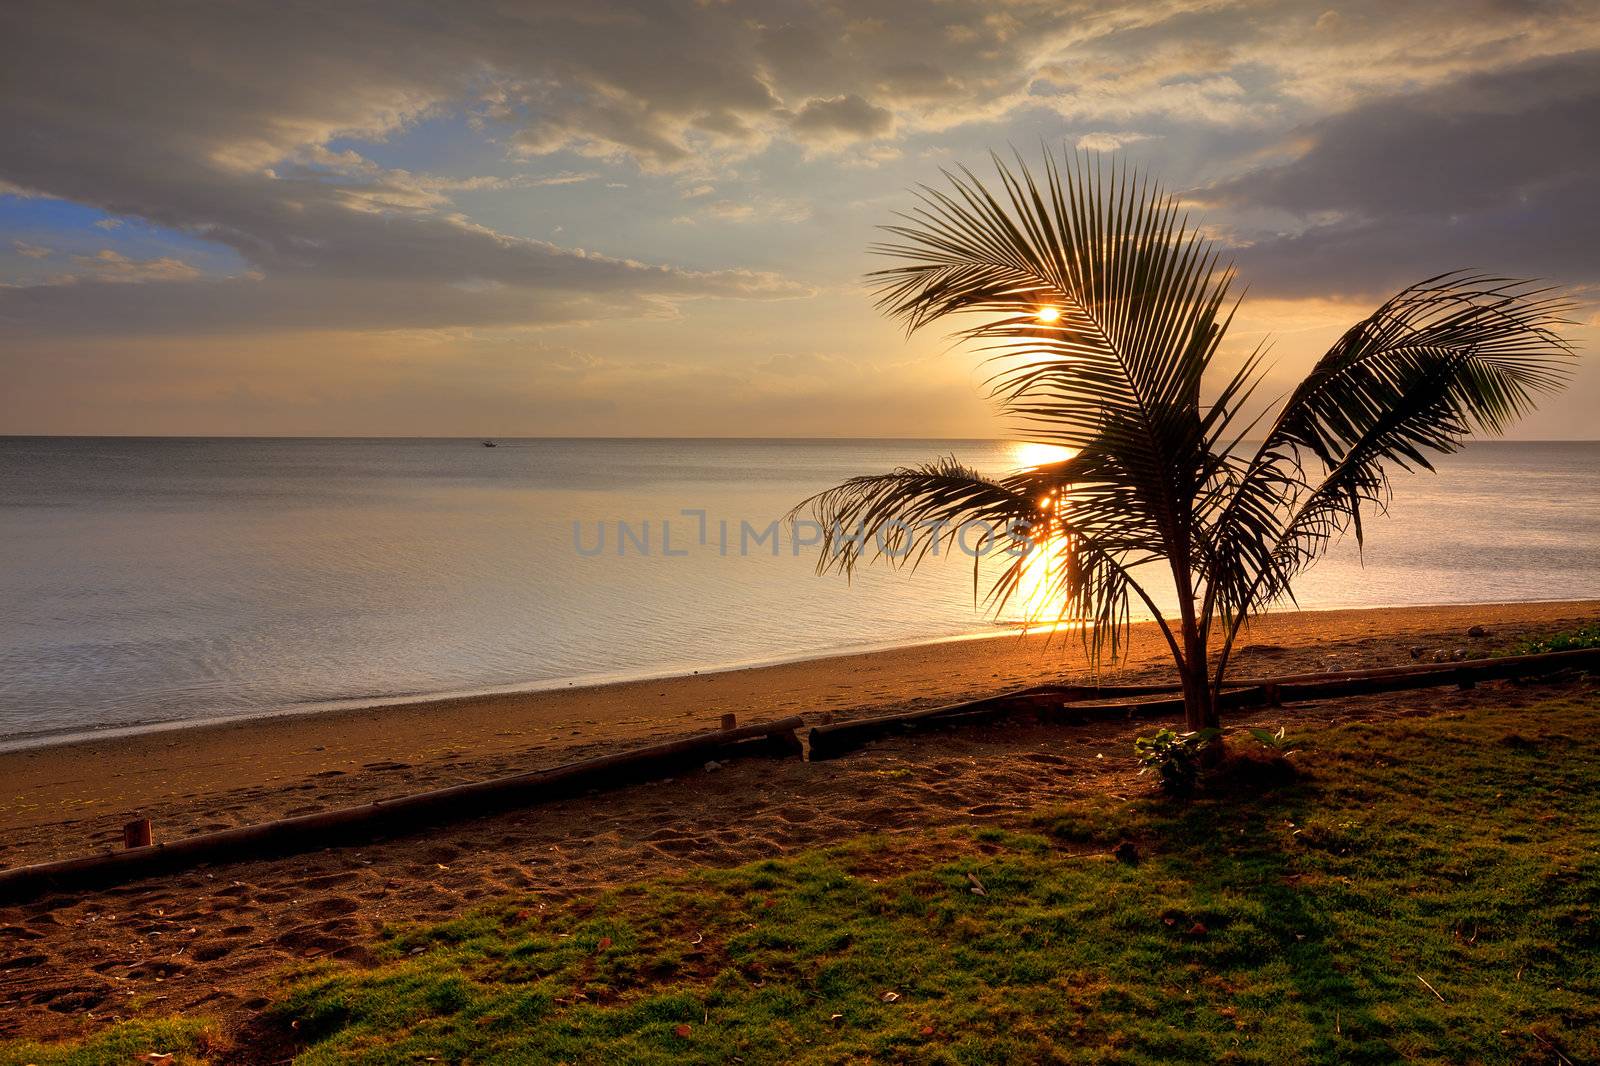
pixel 490 444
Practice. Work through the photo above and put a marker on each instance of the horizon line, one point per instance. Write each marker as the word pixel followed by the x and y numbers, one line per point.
pixel 608 437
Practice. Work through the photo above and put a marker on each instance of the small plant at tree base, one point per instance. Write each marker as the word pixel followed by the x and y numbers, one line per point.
pixel 1175 757
pixel 1276 742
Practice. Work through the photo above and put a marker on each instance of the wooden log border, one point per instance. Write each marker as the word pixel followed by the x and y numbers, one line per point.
pixel 344 825
pixel 778 739
pixel 1068 703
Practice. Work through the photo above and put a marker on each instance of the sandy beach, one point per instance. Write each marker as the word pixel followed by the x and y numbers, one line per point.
pixel 73 798
pixel 211 939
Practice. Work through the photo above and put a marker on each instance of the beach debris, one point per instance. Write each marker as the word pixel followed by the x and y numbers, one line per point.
pixel 1441 656
pixel 1429 987
pixel 890 997
pixel 730 721
pixel 977 885
pixel 836 1020
pixel 1477 632
pixel 137 834
pixel 1198 929
pixel 1546 1042
pixel 1418 651
pixel 713 766
pixel 683 1030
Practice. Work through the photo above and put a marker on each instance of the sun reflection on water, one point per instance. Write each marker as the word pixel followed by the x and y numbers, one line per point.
pixel 1038 600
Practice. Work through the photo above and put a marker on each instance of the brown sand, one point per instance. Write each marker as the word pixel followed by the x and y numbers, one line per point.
pixel 210 940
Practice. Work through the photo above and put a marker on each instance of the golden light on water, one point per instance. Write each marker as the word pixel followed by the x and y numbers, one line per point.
pixel 1038 598
pixel 1030 454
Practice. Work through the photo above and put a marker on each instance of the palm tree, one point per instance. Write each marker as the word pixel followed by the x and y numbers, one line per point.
pixel 1104 312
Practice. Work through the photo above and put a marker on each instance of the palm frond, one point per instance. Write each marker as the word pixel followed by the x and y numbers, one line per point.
pixel 945 508
pixel 904 516
pixel 1139 298
pixel 1451 356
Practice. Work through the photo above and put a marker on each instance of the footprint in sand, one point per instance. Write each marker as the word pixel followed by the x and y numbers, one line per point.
pixel 72 1000
pixel 328 881
pixel 17 932
pixel 211 951
pixel 332 907
pixel 24 962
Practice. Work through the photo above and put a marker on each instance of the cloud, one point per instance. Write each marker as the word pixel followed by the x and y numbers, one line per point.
pixel 841 119
pixel 173 300
pixel 1103 141
pixel 111 266
pixel 31 251
pixel 778 110
pixel 109 223
pixel 255 163
pixel 1494 171
pixel 753 209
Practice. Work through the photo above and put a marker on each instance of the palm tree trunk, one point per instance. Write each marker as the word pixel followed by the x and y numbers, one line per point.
pixel 1199 704
pixel 1199 701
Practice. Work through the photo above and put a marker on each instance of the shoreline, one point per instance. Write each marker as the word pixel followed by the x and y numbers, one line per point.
pixel 73 798
pixel 209 939
pixel 47 739
pixel 71 736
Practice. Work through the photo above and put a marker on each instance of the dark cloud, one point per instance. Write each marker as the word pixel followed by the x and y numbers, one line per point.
pixel 848 117
pixel 212 121
pixel 1494 171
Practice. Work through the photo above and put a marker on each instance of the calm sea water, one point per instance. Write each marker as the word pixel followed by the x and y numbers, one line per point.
pixel 163 580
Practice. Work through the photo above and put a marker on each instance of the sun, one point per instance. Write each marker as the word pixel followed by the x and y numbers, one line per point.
pixel 1049 315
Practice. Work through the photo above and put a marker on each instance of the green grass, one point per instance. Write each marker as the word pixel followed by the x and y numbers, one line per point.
pixel 184 1039
pixel 1295 925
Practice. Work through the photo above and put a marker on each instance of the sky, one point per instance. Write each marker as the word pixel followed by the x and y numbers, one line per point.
pixel 603 218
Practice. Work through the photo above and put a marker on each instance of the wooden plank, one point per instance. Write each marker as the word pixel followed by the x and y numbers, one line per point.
pixel 342 825
pixel 1077 703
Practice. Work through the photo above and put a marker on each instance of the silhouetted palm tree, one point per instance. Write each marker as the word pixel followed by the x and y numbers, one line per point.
pixel 1104 311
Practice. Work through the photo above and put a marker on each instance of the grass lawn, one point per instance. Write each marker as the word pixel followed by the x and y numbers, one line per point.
pixel 1425 890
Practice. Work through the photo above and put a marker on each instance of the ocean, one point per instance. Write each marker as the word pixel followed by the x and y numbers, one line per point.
pixel 152 581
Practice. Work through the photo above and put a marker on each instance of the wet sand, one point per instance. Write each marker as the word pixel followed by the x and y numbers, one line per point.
pixel 215 940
